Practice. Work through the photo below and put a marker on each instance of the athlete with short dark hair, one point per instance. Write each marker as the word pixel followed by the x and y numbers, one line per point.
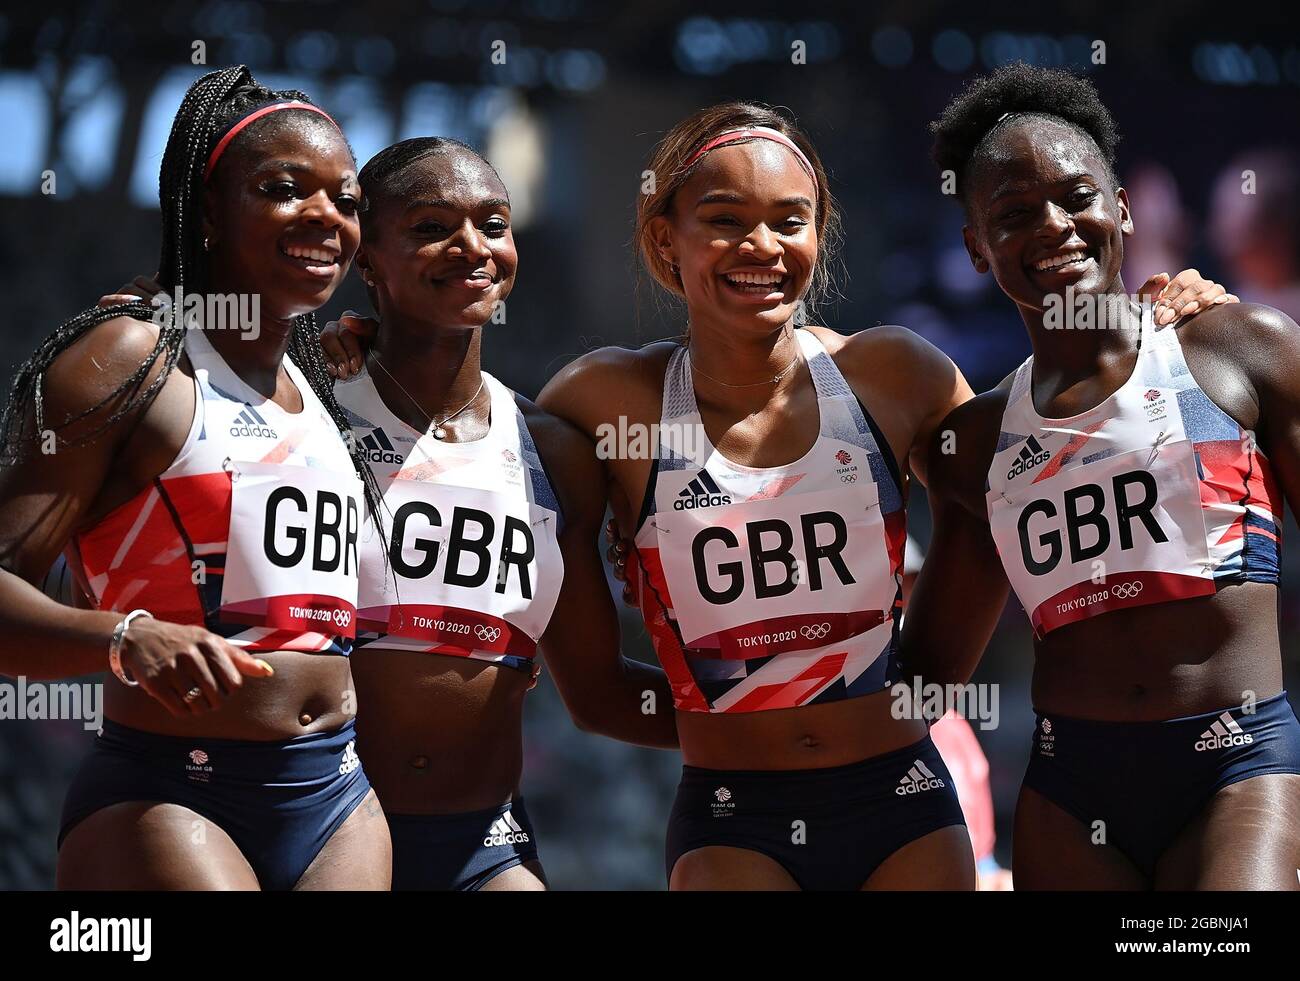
pixel 1130 483
pixel 485 557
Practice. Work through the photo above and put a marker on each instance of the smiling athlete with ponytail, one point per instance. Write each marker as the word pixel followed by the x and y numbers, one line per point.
pixel 207 503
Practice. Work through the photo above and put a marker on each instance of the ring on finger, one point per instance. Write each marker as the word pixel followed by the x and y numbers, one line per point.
pixel 194 693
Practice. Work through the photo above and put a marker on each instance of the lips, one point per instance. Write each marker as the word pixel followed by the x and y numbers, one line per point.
pixel 318 259
pixel 478 279
pixel 1065 261
pixel 757 284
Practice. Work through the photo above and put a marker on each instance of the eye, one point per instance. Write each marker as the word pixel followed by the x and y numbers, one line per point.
pixel 496 227
pixel 794 223
pixel 281 189
pixel 429 227
pixel 1082 197
pixel 347 204
pixel 1013 214
pixel 729 220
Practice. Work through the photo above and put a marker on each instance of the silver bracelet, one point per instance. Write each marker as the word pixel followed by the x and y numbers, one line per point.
pixel 115 647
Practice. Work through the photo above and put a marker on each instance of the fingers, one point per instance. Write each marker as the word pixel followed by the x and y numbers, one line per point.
pixel 1152 287
pixel 354 323
pixel 611 530
pixel 629 598
pixel 336 358
pixel 193 667
pixel 246 664
pixel 115 299
pixel 1188 293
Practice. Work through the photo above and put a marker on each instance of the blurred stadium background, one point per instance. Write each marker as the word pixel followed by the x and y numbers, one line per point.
pixel 88 91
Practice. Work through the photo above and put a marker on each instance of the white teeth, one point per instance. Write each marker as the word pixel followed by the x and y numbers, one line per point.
pixel 754 279
pixel 317 255
pixel 1042 265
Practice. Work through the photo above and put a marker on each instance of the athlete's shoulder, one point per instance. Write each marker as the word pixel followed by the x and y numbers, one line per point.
pixel 1240 329
pixel 891 344
pixel 617 365
pixel 100 361
pixel 608 381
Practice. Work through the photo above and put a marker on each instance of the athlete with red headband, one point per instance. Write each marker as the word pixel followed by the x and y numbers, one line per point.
pixel 768 567
pixel 200 486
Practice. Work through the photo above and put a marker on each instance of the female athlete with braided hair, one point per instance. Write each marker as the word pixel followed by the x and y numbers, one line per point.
pixel 197 478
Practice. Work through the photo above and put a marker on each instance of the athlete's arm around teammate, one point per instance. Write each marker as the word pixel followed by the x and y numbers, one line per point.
pixel 605 692
pixel 47 496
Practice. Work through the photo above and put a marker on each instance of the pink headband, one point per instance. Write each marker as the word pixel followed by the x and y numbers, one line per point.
pixel 755 133
pixel 252 117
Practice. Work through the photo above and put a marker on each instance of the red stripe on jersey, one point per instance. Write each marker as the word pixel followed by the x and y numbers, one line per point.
pixel 1068 451
pixel 654 603
pixel 1119 592
pixel 116 555
pixel 796 691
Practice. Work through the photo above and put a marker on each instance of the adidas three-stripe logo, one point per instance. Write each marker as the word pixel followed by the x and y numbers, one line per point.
pixel 918 779
pixel 1031 455
pixel 702 492
pixel 505 830
pixel 378 448
pixel 249 422
pixel 1223 732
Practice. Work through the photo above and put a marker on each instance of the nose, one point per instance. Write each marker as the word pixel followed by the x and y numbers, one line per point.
pixel 761 243
pixel 1057 223
pixel 471 243
pixel 321 211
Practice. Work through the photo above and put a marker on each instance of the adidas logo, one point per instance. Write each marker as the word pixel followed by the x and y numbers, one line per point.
pixel 378 448
pixel 250 423
pixel 1031 455
pixel 917 780
pixel 505 830
pixel 350 760
pixel 702 492
pixel 1223 733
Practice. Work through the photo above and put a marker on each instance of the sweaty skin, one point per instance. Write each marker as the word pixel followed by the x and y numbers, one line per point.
pixel 1044 190
pixel 443 734
pixel 298 186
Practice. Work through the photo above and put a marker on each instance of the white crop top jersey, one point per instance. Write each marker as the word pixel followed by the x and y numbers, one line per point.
pixel 1154 495
pixel 253 529
pixel 776 587
pixel 472 532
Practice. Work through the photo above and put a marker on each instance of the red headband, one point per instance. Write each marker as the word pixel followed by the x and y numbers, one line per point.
pixel 755 133
pixel 252 117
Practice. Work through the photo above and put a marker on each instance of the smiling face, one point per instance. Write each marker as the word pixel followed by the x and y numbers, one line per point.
pixel 742 234
pixel 441 252
pixel 1043 213
pixel 281 213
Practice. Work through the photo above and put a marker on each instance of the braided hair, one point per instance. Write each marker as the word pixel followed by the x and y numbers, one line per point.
pixel 210 105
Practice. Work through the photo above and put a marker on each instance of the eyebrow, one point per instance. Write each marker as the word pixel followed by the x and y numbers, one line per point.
pixel 1009 188
pixel 448 206
pixel 292 165
pixel 731 197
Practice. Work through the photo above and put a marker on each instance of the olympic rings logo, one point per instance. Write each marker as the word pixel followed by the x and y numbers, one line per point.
pixel 489 634
pixel 342 618
pixel 816 632
pixel 1127 590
